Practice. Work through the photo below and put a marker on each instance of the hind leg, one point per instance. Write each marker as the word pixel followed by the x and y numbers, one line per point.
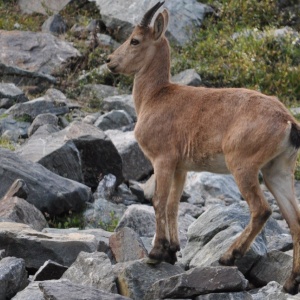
pixel 279 178
pixel 247 181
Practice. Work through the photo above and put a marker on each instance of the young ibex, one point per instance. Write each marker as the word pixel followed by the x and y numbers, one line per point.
pixel 182 128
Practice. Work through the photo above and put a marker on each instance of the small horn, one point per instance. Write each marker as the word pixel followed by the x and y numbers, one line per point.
pixel 150 13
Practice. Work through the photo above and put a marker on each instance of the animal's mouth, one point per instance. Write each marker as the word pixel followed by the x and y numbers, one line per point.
pixel 112 68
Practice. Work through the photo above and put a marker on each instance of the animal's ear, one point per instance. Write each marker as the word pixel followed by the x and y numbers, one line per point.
pixel 161 24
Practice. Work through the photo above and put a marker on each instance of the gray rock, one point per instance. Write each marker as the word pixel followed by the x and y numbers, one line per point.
pixel 36 6
pixel 36 247
pixel 107 187
pixel 55 25
pixel 93 270
pixel 107 41
pixel 98 154
pixel 13 277
pixel 11 92
pixel 123 15
pixel 140 218
pixel 186 208
pixel 30 57
pixel 101 236
pixel 49 270
pixel 216 229
pixel 42 119
pixel 98 92
pixel 135 164
pixel 204 185
pixel 103 214
pixel 46 191
pixel 275 266
pixel 226 296
pixel 136 277
pixel 123 102
pixel 63 290
pixel 19 210
pixel 280 242
pixel 113 120
pixel 126 245
pixel 31 292
pixel 12 128
pixel 198 281
pixel 188 77
pixel 33 108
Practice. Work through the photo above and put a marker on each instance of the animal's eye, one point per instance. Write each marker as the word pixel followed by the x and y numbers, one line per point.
pixel 134 42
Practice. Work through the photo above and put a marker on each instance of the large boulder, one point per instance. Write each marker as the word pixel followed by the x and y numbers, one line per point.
pixel 32 57
pixel 185 16
pixel 41 7
pixel 46 191
pixel 36 247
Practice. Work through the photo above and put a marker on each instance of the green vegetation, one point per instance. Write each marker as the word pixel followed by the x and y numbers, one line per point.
pixel 6 143
pixel 238 49
pixel 110 226
pixel 70 220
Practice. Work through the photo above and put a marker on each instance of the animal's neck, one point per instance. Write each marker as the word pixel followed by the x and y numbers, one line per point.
pixel 152 77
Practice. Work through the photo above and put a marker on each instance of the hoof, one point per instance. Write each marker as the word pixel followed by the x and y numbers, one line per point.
pixel 291 286
pixel 227 260
pixel 158 255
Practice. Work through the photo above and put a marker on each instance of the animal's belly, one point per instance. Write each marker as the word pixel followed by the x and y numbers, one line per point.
pixel 214 163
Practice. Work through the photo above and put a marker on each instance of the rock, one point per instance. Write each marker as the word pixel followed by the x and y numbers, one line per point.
pixel 55 153
pixel 13 277
pixel 280 242
pixel 49 270
pixel 32 58
pixel 11 92
pixel 126 245
pixel 19 210
pixel 273 290
pixel 204 185
pixel 121 102
pixel 101 236
pixel 113 120
pixel 103 214
pixel 98 154
pixel 135 164
pixel 216 229
pixel 36 247
pixel 42 119
pixel 121 17
pixel 188 77
pixel 31 292
pixel 194 211
pixel 13 129
pixel 140 218
pixel 107 187
pixel 36 6
pixel 136 277
pixel 198 281
pixel 93 270
pixel 226 296
pixel 33 108
pixel 275 266
pixel 55 25
pixel 46 191
pixel 63 290
pixel 107 41
pixel 98 92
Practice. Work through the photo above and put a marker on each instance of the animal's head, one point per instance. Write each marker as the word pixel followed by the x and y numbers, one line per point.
pixel 142 45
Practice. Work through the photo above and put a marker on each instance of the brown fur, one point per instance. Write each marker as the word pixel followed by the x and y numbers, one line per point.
pixel 183 128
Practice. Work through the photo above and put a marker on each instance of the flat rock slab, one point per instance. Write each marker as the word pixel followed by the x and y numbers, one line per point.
pixel 94 270
pixel 35 248
pixel 13 277
pixel 198 281
pixel 46 191
pixel 136 277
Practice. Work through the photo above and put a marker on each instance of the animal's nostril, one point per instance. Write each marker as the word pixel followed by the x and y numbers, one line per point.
pixel 108 60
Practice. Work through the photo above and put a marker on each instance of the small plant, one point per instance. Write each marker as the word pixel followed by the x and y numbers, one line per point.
pixel 110 226
pixel 7 144
pixel 69 220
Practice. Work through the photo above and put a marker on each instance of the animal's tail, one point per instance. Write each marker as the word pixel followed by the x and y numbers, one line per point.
pixel 295 135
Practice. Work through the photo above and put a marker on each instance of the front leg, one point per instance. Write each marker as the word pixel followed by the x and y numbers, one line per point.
pixel 164 174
